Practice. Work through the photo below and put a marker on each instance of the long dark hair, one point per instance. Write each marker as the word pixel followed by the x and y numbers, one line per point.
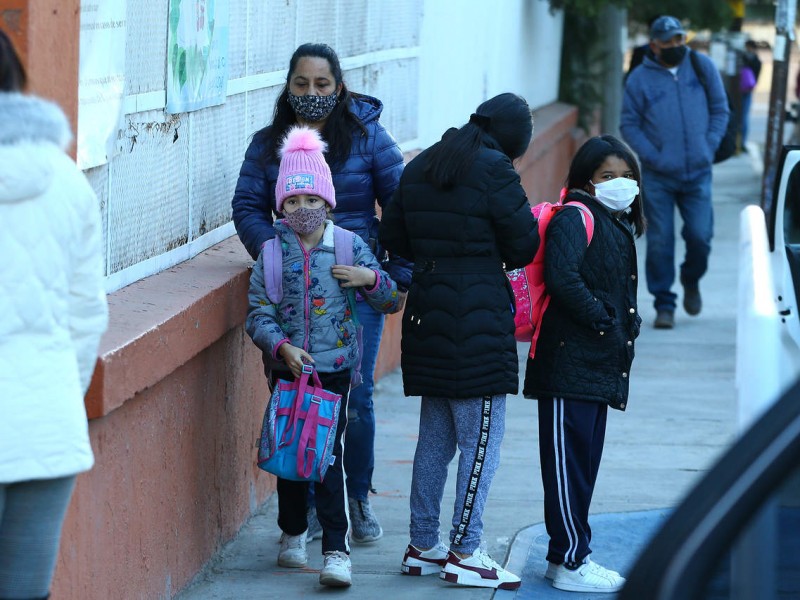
pixel 588 159
pixel 341 123
pixel 505 118
pixel 12 73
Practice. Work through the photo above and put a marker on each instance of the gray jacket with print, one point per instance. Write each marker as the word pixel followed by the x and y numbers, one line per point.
pixel 314 313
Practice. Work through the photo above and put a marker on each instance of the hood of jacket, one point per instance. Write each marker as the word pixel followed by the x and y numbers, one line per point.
pixel 27 123
pixel 366 108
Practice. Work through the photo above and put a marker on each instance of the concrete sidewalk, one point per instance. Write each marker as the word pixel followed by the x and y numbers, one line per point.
pixel 681 415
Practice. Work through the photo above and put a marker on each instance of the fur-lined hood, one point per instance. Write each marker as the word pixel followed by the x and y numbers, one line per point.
pixel 31 119
pixel 32 130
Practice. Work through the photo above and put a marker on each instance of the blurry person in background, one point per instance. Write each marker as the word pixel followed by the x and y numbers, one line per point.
pixel 748 79
pixel 53 307
pixel 675 126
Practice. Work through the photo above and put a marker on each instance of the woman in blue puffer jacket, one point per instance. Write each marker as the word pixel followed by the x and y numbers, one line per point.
pixel 366 164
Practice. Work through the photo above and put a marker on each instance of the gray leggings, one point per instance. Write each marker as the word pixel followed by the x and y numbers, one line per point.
pixel 475 426
pixel 31 515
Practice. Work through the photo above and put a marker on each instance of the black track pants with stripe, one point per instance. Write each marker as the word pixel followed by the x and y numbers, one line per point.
pixel 571 437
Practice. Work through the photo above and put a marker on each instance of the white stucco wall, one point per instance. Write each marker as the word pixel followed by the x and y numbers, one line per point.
pixel 166 192
pixel 471 50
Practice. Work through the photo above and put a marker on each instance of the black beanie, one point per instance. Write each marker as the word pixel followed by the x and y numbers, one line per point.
pixel 508 121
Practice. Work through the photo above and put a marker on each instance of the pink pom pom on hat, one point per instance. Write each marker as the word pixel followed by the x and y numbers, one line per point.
pixel 303 169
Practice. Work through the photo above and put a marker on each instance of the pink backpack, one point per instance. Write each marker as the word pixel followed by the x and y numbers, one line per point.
pixel 530 295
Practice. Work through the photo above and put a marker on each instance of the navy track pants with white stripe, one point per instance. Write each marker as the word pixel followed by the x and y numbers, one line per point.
pixel 571 437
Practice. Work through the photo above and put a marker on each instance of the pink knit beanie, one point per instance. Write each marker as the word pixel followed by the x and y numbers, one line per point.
pixel 303 169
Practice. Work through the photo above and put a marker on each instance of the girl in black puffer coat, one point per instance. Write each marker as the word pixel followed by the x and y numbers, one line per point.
pixel 583 356
pixel 461 215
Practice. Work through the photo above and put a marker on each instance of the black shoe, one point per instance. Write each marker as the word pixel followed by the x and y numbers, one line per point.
pixel 665 319
pixel 692 302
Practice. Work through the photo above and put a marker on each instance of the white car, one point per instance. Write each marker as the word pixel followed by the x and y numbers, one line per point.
pixel 750 499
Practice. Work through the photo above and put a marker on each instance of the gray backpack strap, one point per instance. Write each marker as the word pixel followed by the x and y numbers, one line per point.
pixel 343 245
pixel 272 257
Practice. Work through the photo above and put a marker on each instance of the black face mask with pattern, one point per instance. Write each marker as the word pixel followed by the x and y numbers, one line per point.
pixel 313 108
pixel 673 56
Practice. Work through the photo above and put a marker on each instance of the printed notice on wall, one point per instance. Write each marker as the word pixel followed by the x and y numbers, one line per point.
pixel 197 54
pixel 101 79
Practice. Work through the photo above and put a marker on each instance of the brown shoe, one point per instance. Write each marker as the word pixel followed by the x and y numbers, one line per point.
pixel 665 319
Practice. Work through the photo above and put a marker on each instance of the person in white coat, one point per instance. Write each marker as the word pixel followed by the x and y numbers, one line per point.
pixel 53 312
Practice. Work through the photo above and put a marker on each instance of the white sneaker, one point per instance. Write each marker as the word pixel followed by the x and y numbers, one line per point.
pixel 552 569
pixel 478 570
pixel 293 551
pixel 589 577
pixel 337 570
pixel 424 562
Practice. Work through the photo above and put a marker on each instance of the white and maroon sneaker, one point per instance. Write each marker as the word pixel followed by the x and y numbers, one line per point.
pixel 424 562
pixel 478 570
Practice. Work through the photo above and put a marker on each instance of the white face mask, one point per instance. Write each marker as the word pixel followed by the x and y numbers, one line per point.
pixel 617 194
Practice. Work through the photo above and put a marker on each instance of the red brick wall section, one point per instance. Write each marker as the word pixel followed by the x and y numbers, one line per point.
pixel 14 22
pixel 47 35
pixel 544 166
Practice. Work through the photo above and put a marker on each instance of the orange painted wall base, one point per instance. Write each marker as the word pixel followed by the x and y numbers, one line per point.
pixel 175 477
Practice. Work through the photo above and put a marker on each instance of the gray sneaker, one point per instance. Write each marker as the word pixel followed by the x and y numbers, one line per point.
pixel 314 531
pixel 364 523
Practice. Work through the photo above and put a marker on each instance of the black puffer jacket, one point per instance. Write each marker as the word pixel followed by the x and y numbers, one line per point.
pixel 458 326
pixel 586 345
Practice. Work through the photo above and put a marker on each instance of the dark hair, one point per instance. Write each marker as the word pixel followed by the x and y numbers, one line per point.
pixel 505 118
pixel 12 72
pixel 341 123
pixel 588 159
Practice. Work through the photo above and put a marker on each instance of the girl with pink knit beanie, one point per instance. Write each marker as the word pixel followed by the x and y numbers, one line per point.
pixel 312 323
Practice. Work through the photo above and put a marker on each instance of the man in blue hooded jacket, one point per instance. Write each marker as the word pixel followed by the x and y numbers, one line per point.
pixel 675 126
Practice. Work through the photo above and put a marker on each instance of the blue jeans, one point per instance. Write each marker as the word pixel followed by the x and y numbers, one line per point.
pixel 31 516
pixel 693 199
pixel 359 438
pixel 747 101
